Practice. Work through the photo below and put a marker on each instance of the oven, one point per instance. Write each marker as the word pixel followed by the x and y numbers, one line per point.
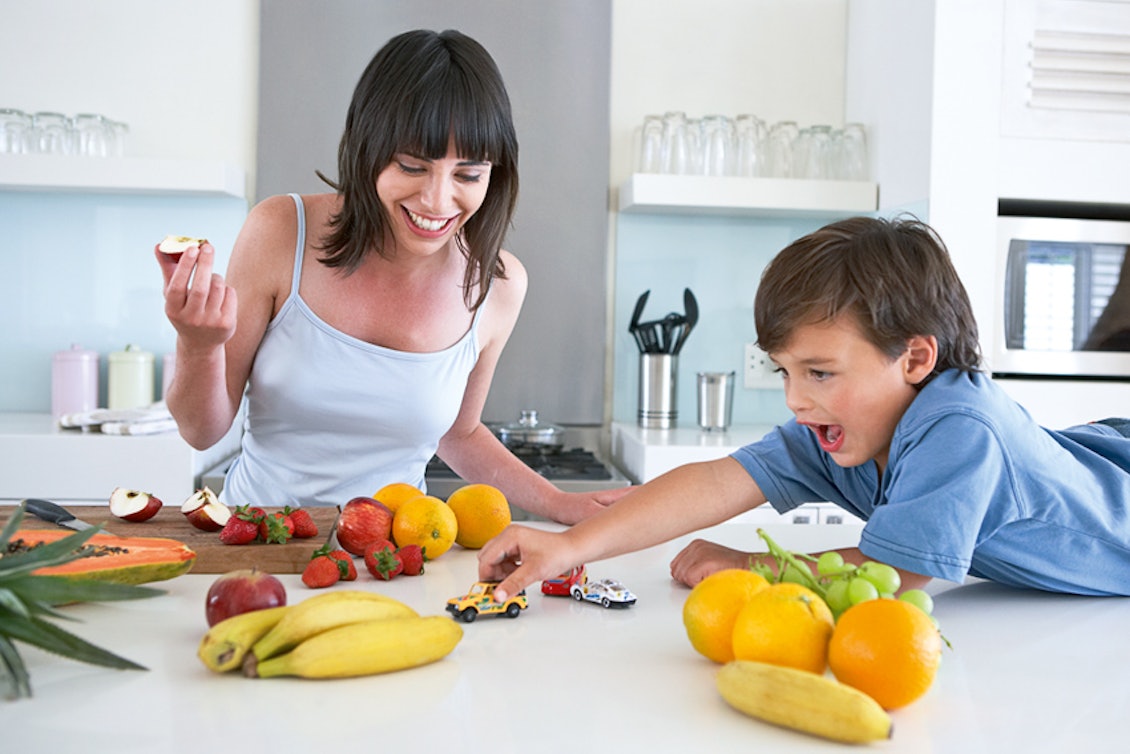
pixel 1063 292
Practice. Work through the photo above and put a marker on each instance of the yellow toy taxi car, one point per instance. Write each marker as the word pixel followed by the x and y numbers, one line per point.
pixel 480 601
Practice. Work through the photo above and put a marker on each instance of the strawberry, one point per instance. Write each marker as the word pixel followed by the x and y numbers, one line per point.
pixel 304 526
pixel 382 561
pixel 238 531
pixel 344 559
pixel 320 572
pixel 412 556
pixel 276 528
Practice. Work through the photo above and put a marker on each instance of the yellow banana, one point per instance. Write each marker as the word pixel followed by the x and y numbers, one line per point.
pixel 228 642
pixel 367 648
pixel 803 701
pixel 323 612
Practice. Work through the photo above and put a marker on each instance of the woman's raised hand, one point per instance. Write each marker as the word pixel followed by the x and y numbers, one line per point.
pixel 199 304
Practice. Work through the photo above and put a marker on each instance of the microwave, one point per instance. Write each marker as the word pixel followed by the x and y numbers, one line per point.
pixel 1063 294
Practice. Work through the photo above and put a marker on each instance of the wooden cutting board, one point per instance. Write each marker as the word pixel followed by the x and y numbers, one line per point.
pixel 212 555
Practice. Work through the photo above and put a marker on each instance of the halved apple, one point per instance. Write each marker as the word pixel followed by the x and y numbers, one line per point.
pixel 133 505
pixel 174 246
pixel 205 511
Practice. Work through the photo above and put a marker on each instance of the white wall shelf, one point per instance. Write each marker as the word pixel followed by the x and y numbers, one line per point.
pixel 752 197
pixel 121 175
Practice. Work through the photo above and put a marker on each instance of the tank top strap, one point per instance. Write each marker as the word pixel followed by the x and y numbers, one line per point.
pixel 299 245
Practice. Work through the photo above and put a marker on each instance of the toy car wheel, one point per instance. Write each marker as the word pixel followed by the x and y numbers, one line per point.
pixel 512 610
pixel 605 602
pixel 577 595
pixel 469 614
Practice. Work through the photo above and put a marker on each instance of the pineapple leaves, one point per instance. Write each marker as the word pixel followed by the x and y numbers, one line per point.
pixel 49 637
pixel 12 670
pixel 25 598
pixel 60 590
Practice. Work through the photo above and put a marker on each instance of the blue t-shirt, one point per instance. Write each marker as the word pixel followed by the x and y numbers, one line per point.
pixel 973 486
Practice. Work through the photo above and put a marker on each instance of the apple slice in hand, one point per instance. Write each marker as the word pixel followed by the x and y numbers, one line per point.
pixel 133 505
pixel 174 246
pixel 205 511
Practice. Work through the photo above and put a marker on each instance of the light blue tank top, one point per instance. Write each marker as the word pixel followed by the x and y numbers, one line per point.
pixel 331 417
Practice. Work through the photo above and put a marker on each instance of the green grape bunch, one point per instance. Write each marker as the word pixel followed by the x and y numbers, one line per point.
pixel 839 584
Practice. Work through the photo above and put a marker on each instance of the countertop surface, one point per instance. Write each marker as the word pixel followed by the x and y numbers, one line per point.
pixel 1027 672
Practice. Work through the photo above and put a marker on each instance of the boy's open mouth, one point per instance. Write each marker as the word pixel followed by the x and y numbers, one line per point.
pixel 830 436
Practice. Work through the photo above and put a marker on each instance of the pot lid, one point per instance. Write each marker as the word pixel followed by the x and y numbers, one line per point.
pixel 529 428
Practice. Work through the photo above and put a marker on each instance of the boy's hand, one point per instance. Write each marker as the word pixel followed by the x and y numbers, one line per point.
pixel 700 558
pixel 520 556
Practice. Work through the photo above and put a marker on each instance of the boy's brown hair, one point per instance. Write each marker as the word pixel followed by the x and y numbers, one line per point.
pixel 894 276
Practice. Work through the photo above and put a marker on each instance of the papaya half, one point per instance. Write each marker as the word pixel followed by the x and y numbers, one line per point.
pixel 123 560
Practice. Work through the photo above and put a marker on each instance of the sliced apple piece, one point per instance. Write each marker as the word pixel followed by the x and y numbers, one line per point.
pixel 205 511
pixel 175 246
pixel 133 505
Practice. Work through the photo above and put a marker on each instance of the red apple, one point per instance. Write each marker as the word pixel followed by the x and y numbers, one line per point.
pixel 133 505
pixel 361 522
pixel 205 511
pixel 242 591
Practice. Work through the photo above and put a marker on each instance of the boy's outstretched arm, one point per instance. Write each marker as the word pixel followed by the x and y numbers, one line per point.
pixel 683 500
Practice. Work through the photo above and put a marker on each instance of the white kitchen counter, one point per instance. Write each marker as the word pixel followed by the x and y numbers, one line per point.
pixel 644 454
pixel 75 467
pixel 1028 672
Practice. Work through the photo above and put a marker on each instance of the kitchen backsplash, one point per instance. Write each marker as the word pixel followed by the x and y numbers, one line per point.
pixel 720 259
pixel 79 268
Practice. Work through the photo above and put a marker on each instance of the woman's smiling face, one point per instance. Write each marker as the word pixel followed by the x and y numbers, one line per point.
pixel 428 201
pixel 847 391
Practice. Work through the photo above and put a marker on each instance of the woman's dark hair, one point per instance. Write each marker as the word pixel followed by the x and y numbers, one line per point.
pixel 420 90
pixel 894 276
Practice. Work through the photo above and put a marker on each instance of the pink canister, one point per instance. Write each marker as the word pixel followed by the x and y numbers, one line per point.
pixel 74 381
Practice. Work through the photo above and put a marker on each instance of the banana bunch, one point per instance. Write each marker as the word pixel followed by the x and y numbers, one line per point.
pixel 803 701
pixel 330 635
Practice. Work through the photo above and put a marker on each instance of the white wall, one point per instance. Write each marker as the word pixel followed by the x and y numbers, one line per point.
pixel 183 74
pixel 777 59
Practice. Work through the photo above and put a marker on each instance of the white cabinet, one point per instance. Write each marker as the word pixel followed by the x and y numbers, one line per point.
pixel 134 175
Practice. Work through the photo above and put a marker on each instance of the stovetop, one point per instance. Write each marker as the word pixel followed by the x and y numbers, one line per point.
pixel 572 464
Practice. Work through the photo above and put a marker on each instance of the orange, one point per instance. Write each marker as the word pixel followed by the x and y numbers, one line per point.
pixel 712 606
pixel 784 624
pixel 425 521
pixel 395 494
pixel 482 512
pixel 886 648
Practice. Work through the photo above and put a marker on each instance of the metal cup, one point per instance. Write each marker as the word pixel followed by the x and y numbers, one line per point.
pixel 657 407
pixel 715 400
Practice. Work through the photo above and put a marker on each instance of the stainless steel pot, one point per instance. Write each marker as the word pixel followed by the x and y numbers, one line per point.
pixel 528 432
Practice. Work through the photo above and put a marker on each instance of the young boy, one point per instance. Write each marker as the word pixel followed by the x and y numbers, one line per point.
pixel 874 336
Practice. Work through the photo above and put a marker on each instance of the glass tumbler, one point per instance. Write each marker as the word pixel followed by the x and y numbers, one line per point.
pixel 749 145
pixel 676 148
pixel 854 158
pixel 717 145
pixel 92 135
pixel 15 131
pixel 779 154
pixel 50 133
pixel 650 157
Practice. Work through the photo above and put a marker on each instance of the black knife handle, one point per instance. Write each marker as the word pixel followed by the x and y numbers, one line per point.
pixel 48 511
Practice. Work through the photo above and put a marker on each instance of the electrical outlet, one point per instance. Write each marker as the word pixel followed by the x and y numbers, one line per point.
pixel 759 373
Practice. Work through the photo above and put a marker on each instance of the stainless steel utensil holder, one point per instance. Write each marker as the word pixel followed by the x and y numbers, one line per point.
pixel 657 390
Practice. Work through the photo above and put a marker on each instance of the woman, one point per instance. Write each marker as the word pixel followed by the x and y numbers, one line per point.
pixel 366 324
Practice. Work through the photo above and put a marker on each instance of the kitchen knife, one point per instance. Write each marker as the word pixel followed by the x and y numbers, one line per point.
pixel 55 514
